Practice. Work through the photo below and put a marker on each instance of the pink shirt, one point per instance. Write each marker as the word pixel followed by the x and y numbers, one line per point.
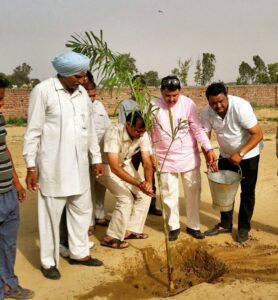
pixel 183 155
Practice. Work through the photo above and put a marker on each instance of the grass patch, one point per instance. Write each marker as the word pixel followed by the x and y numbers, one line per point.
pixel 275 119
pixel 257 105
pixel 21 122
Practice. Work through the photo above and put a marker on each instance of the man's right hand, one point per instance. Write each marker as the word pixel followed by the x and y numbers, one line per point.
pixel 146 188
pixel 31 180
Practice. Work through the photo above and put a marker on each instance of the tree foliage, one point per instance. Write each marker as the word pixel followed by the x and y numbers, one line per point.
pixel 208 68
pixel 4 81
pixel 260 70
pixel 246 74
pixel 111 68
pixel 127 63
pixel 182 70
pixel 151 78
pixel 259 74
pixel 273 72
pixel 20 75
pixel 198 72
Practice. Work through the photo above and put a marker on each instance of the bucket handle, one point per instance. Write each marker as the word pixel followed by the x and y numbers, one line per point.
pixel 239 168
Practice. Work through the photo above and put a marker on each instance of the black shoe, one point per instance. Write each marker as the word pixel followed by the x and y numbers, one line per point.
pixel 217 229
pixel 91 262
pixel 197 234
pixel 154 211
pixel 51 273
pixel 173 234
pixel 242 235
pixel 19 293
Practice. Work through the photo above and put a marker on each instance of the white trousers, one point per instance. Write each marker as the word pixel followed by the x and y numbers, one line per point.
pixel 191 182
pixel 98 195
pixel 79 213
pixel 131 207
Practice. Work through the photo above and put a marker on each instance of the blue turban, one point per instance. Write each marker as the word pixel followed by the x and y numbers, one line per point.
pixel 70 63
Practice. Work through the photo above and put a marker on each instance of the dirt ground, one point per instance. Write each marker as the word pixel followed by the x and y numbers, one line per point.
pixel 214 268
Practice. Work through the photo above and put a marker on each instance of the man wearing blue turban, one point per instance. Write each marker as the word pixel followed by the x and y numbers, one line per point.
pixel 60 144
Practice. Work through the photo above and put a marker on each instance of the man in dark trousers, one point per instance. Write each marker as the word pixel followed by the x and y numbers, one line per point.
pixel 11 191
pixel 240 141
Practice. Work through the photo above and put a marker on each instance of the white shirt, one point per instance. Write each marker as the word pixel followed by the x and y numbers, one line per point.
pixel 117 140
pixel 100 117
pixel 232 131
pixel 60 139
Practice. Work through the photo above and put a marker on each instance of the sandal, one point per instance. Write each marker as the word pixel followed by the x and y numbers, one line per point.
pixel 102 222
pixel 115 244
pixel 137 236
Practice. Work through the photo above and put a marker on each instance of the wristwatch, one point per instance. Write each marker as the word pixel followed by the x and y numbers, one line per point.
pixel 241 154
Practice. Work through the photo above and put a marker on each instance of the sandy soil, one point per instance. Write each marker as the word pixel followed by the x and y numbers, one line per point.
pixel 215 268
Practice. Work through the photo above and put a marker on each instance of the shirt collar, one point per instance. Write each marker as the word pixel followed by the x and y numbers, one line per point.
pixel 58 85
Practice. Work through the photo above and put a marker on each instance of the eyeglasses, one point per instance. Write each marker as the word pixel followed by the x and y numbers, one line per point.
pixel 170 81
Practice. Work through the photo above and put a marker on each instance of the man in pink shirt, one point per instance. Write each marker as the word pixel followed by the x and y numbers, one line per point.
pixel 175 145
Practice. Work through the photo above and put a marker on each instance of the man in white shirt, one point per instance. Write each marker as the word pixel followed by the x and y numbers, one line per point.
pixel 102 122
pixel 131 191
pixel 125 107
pixel 239 137
pixel 59 145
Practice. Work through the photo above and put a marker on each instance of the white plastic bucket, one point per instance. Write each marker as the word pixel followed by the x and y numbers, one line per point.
pixel 223 187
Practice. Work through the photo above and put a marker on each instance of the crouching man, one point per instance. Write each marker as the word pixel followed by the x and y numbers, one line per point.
pixel 133 194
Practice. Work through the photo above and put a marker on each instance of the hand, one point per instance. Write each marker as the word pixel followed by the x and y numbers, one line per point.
pixel 211 160
pixel 146 188
pixel 31 181
pixel 99 169
pixel 20 191
pixel 235 158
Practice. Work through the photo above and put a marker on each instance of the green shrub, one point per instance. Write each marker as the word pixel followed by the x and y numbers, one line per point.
pixel 17 121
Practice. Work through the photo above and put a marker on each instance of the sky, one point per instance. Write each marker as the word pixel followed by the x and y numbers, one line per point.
pixel 157 33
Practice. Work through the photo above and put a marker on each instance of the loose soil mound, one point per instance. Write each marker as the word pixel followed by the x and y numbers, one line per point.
pixel 145 276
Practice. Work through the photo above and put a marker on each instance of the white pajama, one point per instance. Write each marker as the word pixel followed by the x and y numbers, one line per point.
pixel 61 141
pixel 191 182
pixel 132 205
pixel 98 195
pixel 79 212
pixel 102 122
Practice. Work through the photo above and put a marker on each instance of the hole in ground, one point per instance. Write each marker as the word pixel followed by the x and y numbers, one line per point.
pixel 146 276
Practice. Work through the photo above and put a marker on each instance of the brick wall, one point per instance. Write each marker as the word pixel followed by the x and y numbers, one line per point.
pixel 16 100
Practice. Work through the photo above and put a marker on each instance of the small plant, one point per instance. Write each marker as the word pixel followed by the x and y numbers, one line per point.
pixel 107 67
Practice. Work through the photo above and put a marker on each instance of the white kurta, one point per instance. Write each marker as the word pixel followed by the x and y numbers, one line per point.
pixel 60 137
pixel 101 118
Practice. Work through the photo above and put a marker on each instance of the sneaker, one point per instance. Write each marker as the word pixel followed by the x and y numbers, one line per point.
pixel 92 245
pixel 19 293
pixel 64 251
pixel 197 234
pixel 217 229
pixel 51 273
pixel 174 234
pixel 242 235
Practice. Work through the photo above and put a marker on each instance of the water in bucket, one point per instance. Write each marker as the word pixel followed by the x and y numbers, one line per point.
pixel 223 187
